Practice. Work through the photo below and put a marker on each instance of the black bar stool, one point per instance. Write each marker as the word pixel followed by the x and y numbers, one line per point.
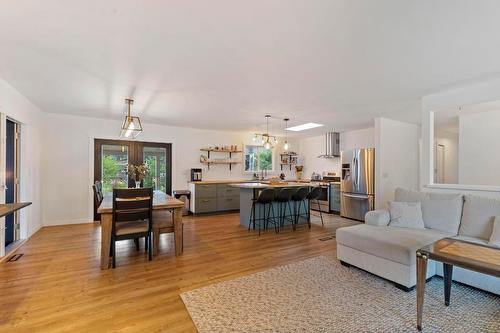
pixel 283 198
pixel 299 198
pixel 314 195
pixel 263 202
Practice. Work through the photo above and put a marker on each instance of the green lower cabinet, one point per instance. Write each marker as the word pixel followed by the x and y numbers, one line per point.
pixel 228 203
pixel 212 198
pixel 205 205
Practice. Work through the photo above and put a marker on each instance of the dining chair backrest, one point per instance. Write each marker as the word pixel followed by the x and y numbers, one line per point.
pixel 98 196
pixel 315 193
pixel 266 196
pixel 132 204
pixel 301 194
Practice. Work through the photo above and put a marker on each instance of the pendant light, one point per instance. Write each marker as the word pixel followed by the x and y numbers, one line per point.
pixel 268 141
pixel 286 146
pixel 267 144
pixel 132 126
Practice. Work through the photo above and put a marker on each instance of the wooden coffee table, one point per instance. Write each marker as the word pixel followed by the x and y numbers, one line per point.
pixel 453 252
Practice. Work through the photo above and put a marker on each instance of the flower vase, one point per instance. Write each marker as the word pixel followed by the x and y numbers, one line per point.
pixel 137 184
pixel 299 175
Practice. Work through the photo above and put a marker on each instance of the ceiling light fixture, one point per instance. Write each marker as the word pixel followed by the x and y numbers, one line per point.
pixel 131 125
pixel 286 146
pixel 304 127
pixel 265 139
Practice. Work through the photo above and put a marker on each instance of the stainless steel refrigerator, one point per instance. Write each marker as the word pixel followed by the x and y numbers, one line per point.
pixel 358 183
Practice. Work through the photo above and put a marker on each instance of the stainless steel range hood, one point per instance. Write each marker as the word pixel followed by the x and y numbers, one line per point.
pixel 332 143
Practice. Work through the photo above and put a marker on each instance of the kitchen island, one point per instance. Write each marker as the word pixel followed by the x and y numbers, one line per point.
pixel 250 191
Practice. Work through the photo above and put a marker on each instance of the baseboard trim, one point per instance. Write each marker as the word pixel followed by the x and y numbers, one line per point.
pixel 67 222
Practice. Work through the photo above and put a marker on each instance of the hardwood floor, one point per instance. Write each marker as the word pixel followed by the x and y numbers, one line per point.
pixel 57 286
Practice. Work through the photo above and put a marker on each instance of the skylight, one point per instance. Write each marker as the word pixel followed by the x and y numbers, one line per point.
pixel 303 127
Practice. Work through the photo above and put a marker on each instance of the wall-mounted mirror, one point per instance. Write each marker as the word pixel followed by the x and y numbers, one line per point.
pixel 467 145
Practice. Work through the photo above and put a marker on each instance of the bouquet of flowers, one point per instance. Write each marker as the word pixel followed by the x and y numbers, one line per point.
pixel 138 172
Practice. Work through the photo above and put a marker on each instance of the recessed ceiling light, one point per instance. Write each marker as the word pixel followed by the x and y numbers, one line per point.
pixel 303 127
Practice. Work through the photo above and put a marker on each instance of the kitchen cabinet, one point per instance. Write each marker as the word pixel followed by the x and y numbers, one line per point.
pixel 214 198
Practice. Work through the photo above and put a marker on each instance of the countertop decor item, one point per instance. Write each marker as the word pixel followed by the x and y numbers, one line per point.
pixel 138 173
pixel 298 171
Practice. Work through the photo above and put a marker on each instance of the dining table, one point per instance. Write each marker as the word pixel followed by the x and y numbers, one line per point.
pixel 161 201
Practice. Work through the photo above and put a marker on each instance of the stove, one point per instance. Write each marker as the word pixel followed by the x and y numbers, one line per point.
pixel 325 203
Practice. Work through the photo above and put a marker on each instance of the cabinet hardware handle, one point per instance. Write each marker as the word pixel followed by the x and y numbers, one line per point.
pixel 205 200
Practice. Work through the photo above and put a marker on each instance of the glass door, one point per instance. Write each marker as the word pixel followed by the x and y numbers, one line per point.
pixel 157 156
pixel 112 157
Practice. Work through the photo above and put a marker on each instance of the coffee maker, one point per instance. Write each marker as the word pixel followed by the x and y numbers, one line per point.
pixel 195 175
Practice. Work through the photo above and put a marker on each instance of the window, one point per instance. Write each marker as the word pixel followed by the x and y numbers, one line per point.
pixel 258 158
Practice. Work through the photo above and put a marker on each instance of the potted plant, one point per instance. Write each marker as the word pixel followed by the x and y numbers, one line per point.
pixel 138 173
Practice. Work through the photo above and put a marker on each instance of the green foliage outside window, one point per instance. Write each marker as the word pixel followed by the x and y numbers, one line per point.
pixel 257 158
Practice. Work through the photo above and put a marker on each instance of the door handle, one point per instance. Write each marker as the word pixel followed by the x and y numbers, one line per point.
pixel 356 196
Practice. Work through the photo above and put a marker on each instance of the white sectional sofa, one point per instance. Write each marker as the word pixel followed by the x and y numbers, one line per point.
pixel 389 252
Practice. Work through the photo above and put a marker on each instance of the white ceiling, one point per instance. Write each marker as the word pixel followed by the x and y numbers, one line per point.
pixel 225 64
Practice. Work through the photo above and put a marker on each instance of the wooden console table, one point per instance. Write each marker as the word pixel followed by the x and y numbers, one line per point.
pixel 6 209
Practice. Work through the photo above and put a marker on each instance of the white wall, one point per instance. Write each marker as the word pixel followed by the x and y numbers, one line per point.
pixel 396 158
pixel 311 148
pixel 17 107
pixel 451 165
pixel 479 158
pixel 68 161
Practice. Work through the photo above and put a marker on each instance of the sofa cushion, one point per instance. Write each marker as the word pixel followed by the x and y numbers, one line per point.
pixel 440 211
pixel 392 243
pixel 495 234
pixel 479 214
pixel 406 215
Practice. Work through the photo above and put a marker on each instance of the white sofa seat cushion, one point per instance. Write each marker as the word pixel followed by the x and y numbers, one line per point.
pixel 392 243
pixel 440 211
pixel 474 240
pixel 479 214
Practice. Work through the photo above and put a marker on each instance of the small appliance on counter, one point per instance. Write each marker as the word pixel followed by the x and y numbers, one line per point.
pixel 315 176
pixel 195 175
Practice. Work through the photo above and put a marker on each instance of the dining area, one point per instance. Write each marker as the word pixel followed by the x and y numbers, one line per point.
pixel 135 214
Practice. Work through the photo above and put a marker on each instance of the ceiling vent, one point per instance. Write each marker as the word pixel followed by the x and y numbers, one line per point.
pixel 332 143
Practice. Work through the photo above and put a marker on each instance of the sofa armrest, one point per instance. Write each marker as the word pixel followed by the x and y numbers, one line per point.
pixel 378 218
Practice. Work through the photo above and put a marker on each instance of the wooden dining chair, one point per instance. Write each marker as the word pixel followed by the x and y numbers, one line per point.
pixel 98 197
pixel 132 217
pixel 163 222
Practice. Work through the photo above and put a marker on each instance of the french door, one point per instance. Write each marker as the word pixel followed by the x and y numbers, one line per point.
pixel 112 157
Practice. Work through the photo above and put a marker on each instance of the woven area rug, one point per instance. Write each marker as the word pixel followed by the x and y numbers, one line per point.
pixel 320 295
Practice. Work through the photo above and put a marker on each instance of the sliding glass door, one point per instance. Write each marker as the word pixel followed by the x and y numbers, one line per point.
pixel 112 157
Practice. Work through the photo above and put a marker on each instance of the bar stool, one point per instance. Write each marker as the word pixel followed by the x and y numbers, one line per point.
pixel 298 199
pixel 263 202
pixel 315 194
pixel 283 199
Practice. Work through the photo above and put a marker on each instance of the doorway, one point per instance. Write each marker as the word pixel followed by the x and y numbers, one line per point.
pixel 440 164
pixel 112 157
pixel 12 164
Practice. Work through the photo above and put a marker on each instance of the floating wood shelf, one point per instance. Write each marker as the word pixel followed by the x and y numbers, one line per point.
pixel 290 164
pixel 230 163
pixel 220 150
pixel 227 151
